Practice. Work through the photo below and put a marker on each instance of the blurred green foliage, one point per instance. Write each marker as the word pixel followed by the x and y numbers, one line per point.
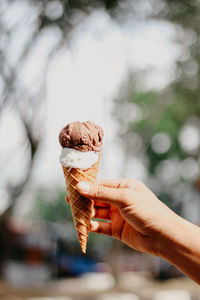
pixel 52 207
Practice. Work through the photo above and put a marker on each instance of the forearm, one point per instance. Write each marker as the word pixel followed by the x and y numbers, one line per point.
pixel 180 245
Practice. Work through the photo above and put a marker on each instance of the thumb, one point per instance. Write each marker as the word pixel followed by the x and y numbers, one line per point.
pixel 116 196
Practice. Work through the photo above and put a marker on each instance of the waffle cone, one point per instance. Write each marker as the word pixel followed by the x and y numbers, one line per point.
pixel 81 206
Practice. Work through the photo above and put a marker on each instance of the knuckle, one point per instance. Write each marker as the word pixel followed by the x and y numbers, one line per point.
pixel 99 191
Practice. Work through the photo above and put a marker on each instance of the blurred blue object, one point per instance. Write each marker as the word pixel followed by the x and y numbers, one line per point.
pixel 69 265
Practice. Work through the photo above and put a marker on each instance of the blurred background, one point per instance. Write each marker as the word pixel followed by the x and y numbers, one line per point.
pixel 131 67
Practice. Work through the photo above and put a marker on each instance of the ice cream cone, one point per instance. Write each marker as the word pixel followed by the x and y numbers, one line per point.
pixel 81 206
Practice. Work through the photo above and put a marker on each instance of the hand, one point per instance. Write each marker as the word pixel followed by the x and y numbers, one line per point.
pixel 132 213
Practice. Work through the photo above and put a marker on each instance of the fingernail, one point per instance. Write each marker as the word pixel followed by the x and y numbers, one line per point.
pixel 93 212
pixel 94 225
pixel 83 187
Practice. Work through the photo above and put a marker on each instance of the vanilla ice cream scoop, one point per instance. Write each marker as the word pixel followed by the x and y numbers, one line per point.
pixel 72 158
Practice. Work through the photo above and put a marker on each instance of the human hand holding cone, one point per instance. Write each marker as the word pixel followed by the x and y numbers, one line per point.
pixel 80 166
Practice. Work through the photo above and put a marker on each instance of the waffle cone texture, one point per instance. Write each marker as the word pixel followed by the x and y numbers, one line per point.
pixel 81 206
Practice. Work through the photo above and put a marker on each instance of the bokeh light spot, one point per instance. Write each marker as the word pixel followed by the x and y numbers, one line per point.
pixel 54 10
pixel 189 168
pixel 189 138
pixel 161 142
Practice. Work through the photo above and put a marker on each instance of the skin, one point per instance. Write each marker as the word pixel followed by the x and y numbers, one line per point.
pixel 131 213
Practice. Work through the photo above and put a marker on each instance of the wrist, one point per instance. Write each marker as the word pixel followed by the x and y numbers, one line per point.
pixel 180 245
pixel 162 234
pixel 172 238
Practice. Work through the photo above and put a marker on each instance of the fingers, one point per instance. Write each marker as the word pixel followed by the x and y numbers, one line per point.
pixel 102 193
pixel 100 204
pixel 101 227
pixel 111 189
pixel 101 213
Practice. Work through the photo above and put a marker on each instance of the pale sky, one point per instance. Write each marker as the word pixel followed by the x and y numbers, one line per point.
pixel 82 82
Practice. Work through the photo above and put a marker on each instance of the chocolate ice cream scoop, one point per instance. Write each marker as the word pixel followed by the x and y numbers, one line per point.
pixel 82 136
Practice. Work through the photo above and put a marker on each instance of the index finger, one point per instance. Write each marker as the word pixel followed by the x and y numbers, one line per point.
pixel 115 196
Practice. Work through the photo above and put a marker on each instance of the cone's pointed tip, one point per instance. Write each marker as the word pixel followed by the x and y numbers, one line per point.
pixel 83 248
